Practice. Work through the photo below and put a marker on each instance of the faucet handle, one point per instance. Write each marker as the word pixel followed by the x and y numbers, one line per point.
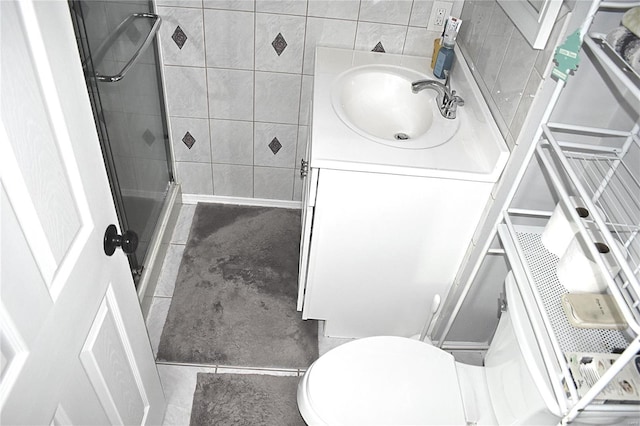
pixel 456 99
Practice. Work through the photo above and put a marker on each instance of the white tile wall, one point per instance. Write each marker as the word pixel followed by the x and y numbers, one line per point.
pixel 229 81
pixel 386 12
pixel 186 92
pixel 291 28
pixel 231 141
pixel 230 93
pixel 198 128
pixel 190 22
pixel 223 28
pixel 272 183
pixel 507 69
pixel 277 97
pixel 195 178
pixel 233 180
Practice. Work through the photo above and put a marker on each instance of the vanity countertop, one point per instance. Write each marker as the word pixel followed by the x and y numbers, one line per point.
pixel 477 152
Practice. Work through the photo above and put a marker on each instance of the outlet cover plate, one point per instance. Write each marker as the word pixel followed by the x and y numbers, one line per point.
pixel 440 11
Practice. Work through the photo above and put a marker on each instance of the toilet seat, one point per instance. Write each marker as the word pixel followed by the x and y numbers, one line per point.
pixel 382 381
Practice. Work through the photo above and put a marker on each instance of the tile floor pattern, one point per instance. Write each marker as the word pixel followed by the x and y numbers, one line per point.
pixel 179 380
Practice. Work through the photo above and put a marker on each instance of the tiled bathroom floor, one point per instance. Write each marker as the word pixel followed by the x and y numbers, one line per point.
pixel 179 380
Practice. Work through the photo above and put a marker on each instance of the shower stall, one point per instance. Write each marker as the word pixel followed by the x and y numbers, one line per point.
pixel 121 59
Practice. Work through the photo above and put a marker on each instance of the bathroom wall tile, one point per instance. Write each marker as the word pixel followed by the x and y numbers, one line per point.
pixel 500 22
pixel 273 183
pixel 195 178
pixel 277 97
pixel 420 13
pixel 279 42
pixel 301 149
pixel 274 145
pixel 118 137
pixel 246 5
pixel 191 50
pixel 286 7
pixel 231 141
pixel 190 138
pixel 326 33
pixel 343 9
pixel 169 271
pixel 386 12
pixel 127 172
pixel 229 36
pixel 146 136
pixel 186 91
pixel 139 89
pixel 526 100
pixel 306 97
pixel 180 3
pixel 493 50
pixel 232 180
pixel 515 71
pixel 391 37
pixel 230 94
pixel 473 31
pixel 152 177
pixel 298 185
pixel 491 56
pixel 420 42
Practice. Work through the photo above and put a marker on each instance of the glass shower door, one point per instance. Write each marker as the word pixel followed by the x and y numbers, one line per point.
pixel 119 51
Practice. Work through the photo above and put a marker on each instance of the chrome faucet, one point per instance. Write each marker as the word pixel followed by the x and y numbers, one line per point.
pixel 447 100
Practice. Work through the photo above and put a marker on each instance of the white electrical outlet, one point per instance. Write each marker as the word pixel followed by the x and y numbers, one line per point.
pixel 440 11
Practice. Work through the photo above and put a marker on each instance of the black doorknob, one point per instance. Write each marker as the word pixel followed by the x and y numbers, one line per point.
pixel 128 241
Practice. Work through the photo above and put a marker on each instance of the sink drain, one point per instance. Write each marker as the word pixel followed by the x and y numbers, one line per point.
pixel 401 136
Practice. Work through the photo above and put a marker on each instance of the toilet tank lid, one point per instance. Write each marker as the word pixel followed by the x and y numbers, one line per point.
pixel 386 380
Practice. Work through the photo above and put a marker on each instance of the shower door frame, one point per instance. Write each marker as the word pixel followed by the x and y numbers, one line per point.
pixel 137 265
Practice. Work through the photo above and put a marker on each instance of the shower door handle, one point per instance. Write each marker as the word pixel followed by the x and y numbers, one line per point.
pixel 128 241
pixel 110 40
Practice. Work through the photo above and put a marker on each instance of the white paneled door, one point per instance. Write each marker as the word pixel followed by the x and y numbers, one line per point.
pixel 73 346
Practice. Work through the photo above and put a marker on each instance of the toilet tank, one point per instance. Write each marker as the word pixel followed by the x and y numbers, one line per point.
pixel 518 384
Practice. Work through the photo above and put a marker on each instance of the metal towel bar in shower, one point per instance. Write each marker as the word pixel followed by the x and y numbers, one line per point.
pixel 109 41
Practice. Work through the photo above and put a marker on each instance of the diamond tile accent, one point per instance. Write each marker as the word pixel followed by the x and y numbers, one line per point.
pixel 275 145
pixel 379 48
pixel 148 137
pixel 134 34
pixel 179 37
pixel 279 44
pixel 188 140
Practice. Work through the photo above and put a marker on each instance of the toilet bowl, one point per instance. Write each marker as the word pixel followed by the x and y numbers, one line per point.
pixel 399 381
pixel 375 381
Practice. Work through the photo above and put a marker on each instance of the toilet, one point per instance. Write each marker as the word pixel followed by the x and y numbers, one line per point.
pixel 399 381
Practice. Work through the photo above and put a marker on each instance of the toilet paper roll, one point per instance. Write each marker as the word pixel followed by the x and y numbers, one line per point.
pixel 577 270
pixel 560 229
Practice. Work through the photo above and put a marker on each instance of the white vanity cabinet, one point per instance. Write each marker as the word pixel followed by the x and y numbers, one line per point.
pixel 385 228
pixel 380 246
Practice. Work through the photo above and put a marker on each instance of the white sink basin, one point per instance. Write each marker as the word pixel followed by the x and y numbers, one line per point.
pixel 376 102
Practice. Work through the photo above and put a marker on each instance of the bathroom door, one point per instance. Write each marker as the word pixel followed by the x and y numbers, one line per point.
pixel 73 345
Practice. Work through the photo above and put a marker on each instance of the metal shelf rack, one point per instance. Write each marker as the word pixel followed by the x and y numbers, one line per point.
pixel 602 167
